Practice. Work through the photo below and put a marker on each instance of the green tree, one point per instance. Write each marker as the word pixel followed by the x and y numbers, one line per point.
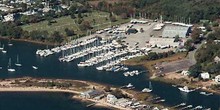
pixel 195 70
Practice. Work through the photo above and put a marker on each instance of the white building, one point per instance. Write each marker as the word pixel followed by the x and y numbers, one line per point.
pixel 111 99
pixel 4 9
pixel 216 59
pixel 217 78
pixel 9 17
pixel 91 94
pixel 185 73
pixel 172 31
pixel 205 75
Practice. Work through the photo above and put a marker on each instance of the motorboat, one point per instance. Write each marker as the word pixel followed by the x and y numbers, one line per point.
pixel 129 85
pixel 205 93
pixel 4 51
pixel 34 67
pixel 185 89
pixel 146 90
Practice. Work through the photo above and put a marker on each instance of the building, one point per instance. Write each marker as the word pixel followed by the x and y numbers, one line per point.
pixel 174 30
pixel 9 17
pixel 111 99
pixel 122 102
pixel 217 78
pixel 165 42
pixel 91 94
pixel 5 9
pixel 216 59
pixel 205 75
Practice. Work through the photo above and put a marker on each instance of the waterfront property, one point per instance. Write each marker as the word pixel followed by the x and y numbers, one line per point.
pixel 92 94
pixel 217 78
pixel 205 75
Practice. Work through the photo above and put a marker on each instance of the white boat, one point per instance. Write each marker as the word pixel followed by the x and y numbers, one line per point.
pixel 4 51
pixel 205 93
pixel 129 85
pixel 2 48
pixel 34 67
pixel 150 89
pixel 185 89
pixel 0 67
pixel 146 90
pixel 9 43
pixel 9 66
pixel 17 63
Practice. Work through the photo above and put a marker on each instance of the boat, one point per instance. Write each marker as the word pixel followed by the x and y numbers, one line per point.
pixel 9 66
pixel 185 89
pixel 198 107
pixel 9 43
pixel 150 89
pixel 1 48
pixel 3 51
pixel 17 63
pixel 34 67
pixel 129 85
pixel 0 67
pixel 205 93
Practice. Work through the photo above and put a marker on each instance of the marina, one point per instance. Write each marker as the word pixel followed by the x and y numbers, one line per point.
pixel 70 70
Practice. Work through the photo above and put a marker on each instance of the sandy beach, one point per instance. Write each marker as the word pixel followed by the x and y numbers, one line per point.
pixel 17 85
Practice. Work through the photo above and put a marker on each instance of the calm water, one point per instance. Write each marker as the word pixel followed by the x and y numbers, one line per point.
pixel 41 101
pixel 50 67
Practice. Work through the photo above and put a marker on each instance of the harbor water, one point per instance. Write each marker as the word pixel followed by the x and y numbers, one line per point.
pixel 51 67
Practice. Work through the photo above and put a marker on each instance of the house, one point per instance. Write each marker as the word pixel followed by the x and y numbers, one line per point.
pixel 205 75
pixel 216 59
pixel 111 99
pixel 185 73
pixel 91 94
pixel 217 78
pixel 122 102
pixel 9 17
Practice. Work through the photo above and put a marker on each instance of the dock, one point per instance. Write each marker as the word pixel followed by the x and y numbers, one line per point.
pixel 92 104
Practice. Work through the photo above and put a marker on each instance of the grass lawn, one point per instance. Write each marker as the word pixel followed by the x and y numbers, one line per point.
pixel 67 22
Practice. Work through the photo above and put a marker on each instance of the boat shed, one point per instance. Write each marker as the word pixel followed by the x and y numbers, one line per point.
pixel 167 42
pixel 173 30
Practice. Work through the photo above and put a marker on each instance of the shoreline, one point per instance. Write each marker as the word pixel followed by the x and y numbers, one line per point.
pixel 30 41
pixel 149 66
pixel 77 87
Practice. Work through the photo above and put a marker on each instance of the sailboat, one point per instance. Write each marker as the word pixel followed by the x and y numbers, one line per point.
pixel 9 66
pixel 1 48
pixel 17 63
pixel 9 43
pixel 150 89
pixel 3 51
